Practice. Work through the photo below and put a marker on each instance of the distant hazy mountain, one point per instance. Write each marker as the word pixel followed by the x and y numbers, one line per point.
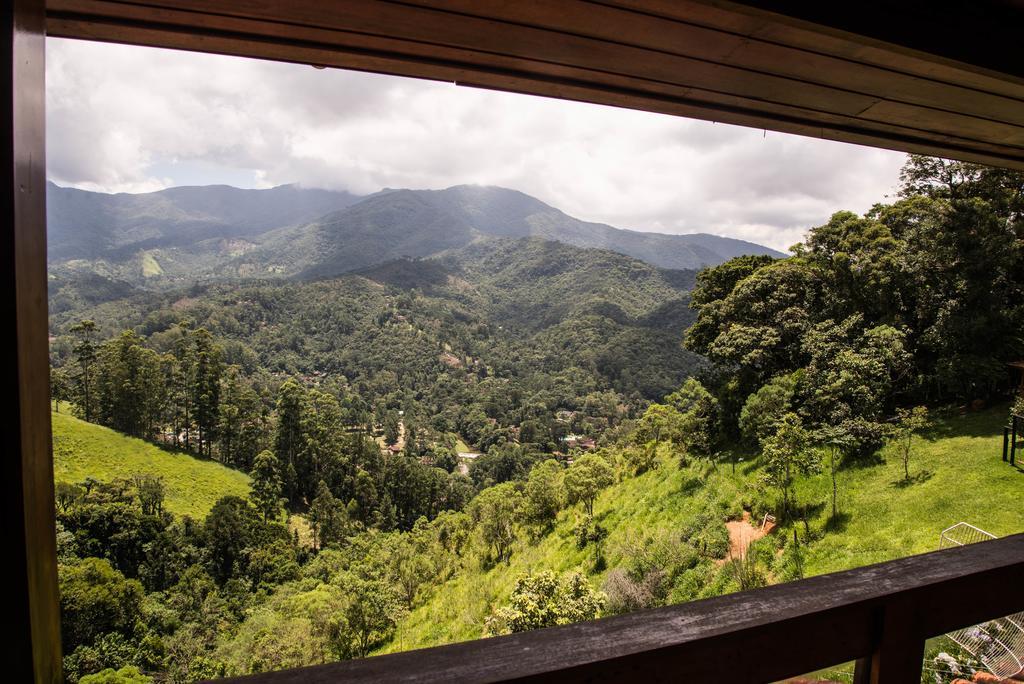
pixel 92 225
pixel 217 231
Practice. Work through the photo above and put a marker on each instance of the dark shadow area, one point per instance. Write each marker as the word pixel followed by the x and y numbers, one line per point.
pixel 988 422
pixel 838 522
pixel 903 483
pixel 869 461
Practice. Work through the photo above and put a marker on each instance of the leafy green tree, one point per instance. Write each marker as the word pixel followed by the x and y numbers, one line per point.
pixel 713 286
pixel 85 353
pixel 372 613
pixel 294 628
pixel 758 327
pixel 179 370
pixel 66 495
pixel 239 423
pixel 266 485
pixel 699 411
pixel 392 433
pixel 495 512
pixel 764 408
pixel 641 458
pixel 150 491
pixel 96 599
pixel 230 530
pixel 60 387
pixel 327 517
pixel 660 422
pixel 787 455
pixel 206 388
pixel 128 390
pixel 290 438
pixel 543 494
pixel 322 454
pixel 502 463
pixel 545 600
pixel 908 423
pixel 129 674
pixel 837 442
pixel 411 560
pixel 853 371
pixel 585 479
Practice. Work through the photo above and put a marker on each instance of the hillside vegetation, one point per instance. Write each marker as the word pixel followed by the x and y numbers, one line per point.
pixel 959 477
pixel 627 422
pixel 84 450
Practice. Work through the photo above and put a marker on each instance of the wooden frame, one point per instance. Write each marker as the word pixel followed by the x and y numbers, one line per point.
pixel 778 66
pixel 32 616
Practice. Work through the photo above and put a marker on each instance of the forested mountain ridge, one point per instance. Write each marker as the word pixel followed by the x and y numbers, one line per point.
pixel 182 234
pixel 474 342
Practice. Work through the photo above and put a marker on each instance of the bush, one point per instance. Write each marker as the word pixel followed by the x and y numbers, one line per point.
pixel 626 594
pixel 642 458
pixel 588 530
pixel 129 674
pixel 96 599
pixel 544 600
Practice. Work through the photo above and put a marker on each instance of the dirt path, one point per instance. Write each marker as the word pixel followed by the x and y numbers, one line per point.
pixel 742 533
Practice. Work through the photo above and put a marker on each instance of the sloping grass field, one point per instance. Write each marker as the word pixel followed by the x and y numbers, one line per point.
pixel 956 475
pixel 193 485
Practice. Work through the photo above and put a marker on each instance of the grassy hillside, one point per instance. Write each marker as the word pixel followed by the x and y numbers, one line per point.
pixel 958 476
pixel 82 450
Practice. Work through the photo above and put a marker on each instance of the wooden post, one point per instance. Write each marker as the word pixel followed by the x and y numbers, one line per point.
pixel 899 651
pixel 1006 439
pixel 1013 439
pixel 31 619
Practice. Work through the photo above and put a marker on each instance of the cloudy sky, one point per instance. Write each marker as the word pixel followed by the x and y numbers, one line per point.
pixel 127 119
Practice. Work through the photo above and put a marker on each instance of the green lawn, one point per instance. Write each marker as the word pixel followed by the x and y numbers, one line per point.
pixel 82 450
pixel 959 477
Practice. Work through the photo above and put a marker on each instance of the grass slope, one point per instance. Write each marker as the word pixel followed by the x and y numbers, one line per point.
pixel 958 477
pixel 82 450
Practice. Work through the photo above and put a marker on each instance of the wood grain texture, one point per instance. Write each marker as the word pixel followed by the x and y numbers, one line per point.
pixel 712 60
pixel 882 613
pixel 31 619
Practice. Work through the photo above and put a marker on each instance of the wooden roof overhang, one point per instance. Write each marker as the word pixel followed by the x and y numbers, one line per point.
pixel 937 78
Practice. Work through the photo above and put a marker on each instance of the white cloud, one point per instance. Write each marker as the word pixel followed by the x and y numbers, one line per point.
pixel 126 119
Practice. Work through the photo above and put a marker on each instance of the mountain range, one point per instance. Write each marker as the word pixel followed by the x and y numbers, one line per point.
pixel 208 232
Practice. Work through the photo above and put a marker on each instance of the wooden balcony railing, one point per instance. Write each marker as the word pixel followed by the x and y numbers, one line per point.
pixel 878 615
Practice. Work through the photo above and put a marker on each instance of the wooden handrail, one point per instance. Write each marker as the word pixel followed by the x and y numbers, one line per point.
pixel 879 615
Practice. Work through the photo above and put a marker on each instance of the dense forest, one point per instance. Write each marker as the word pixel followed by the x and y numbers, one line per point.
pixel 414 423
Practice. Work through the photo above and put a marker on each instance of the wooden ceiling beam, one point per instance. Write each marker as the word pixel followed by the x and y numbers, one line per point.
pixel 706 60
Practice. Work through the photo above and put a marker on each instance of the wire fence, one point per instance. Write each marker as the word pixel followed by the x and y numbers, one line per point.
pixel 997 644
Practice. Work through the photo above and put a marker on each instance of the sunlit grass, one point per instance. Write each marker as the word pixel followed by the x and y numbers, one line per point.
pixel 957 475
pixel 82 450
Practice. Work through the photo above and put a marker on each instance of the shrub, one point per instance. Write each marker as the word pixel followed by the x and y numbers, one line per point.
pixel 544 600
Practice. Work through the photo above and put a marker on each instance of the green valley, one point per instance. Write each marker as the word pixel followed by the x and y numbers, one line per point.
pixel 441 415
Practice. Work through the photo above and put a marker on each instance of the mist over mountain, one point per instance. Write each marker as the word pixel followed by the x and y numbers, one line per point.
pixel 217 231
